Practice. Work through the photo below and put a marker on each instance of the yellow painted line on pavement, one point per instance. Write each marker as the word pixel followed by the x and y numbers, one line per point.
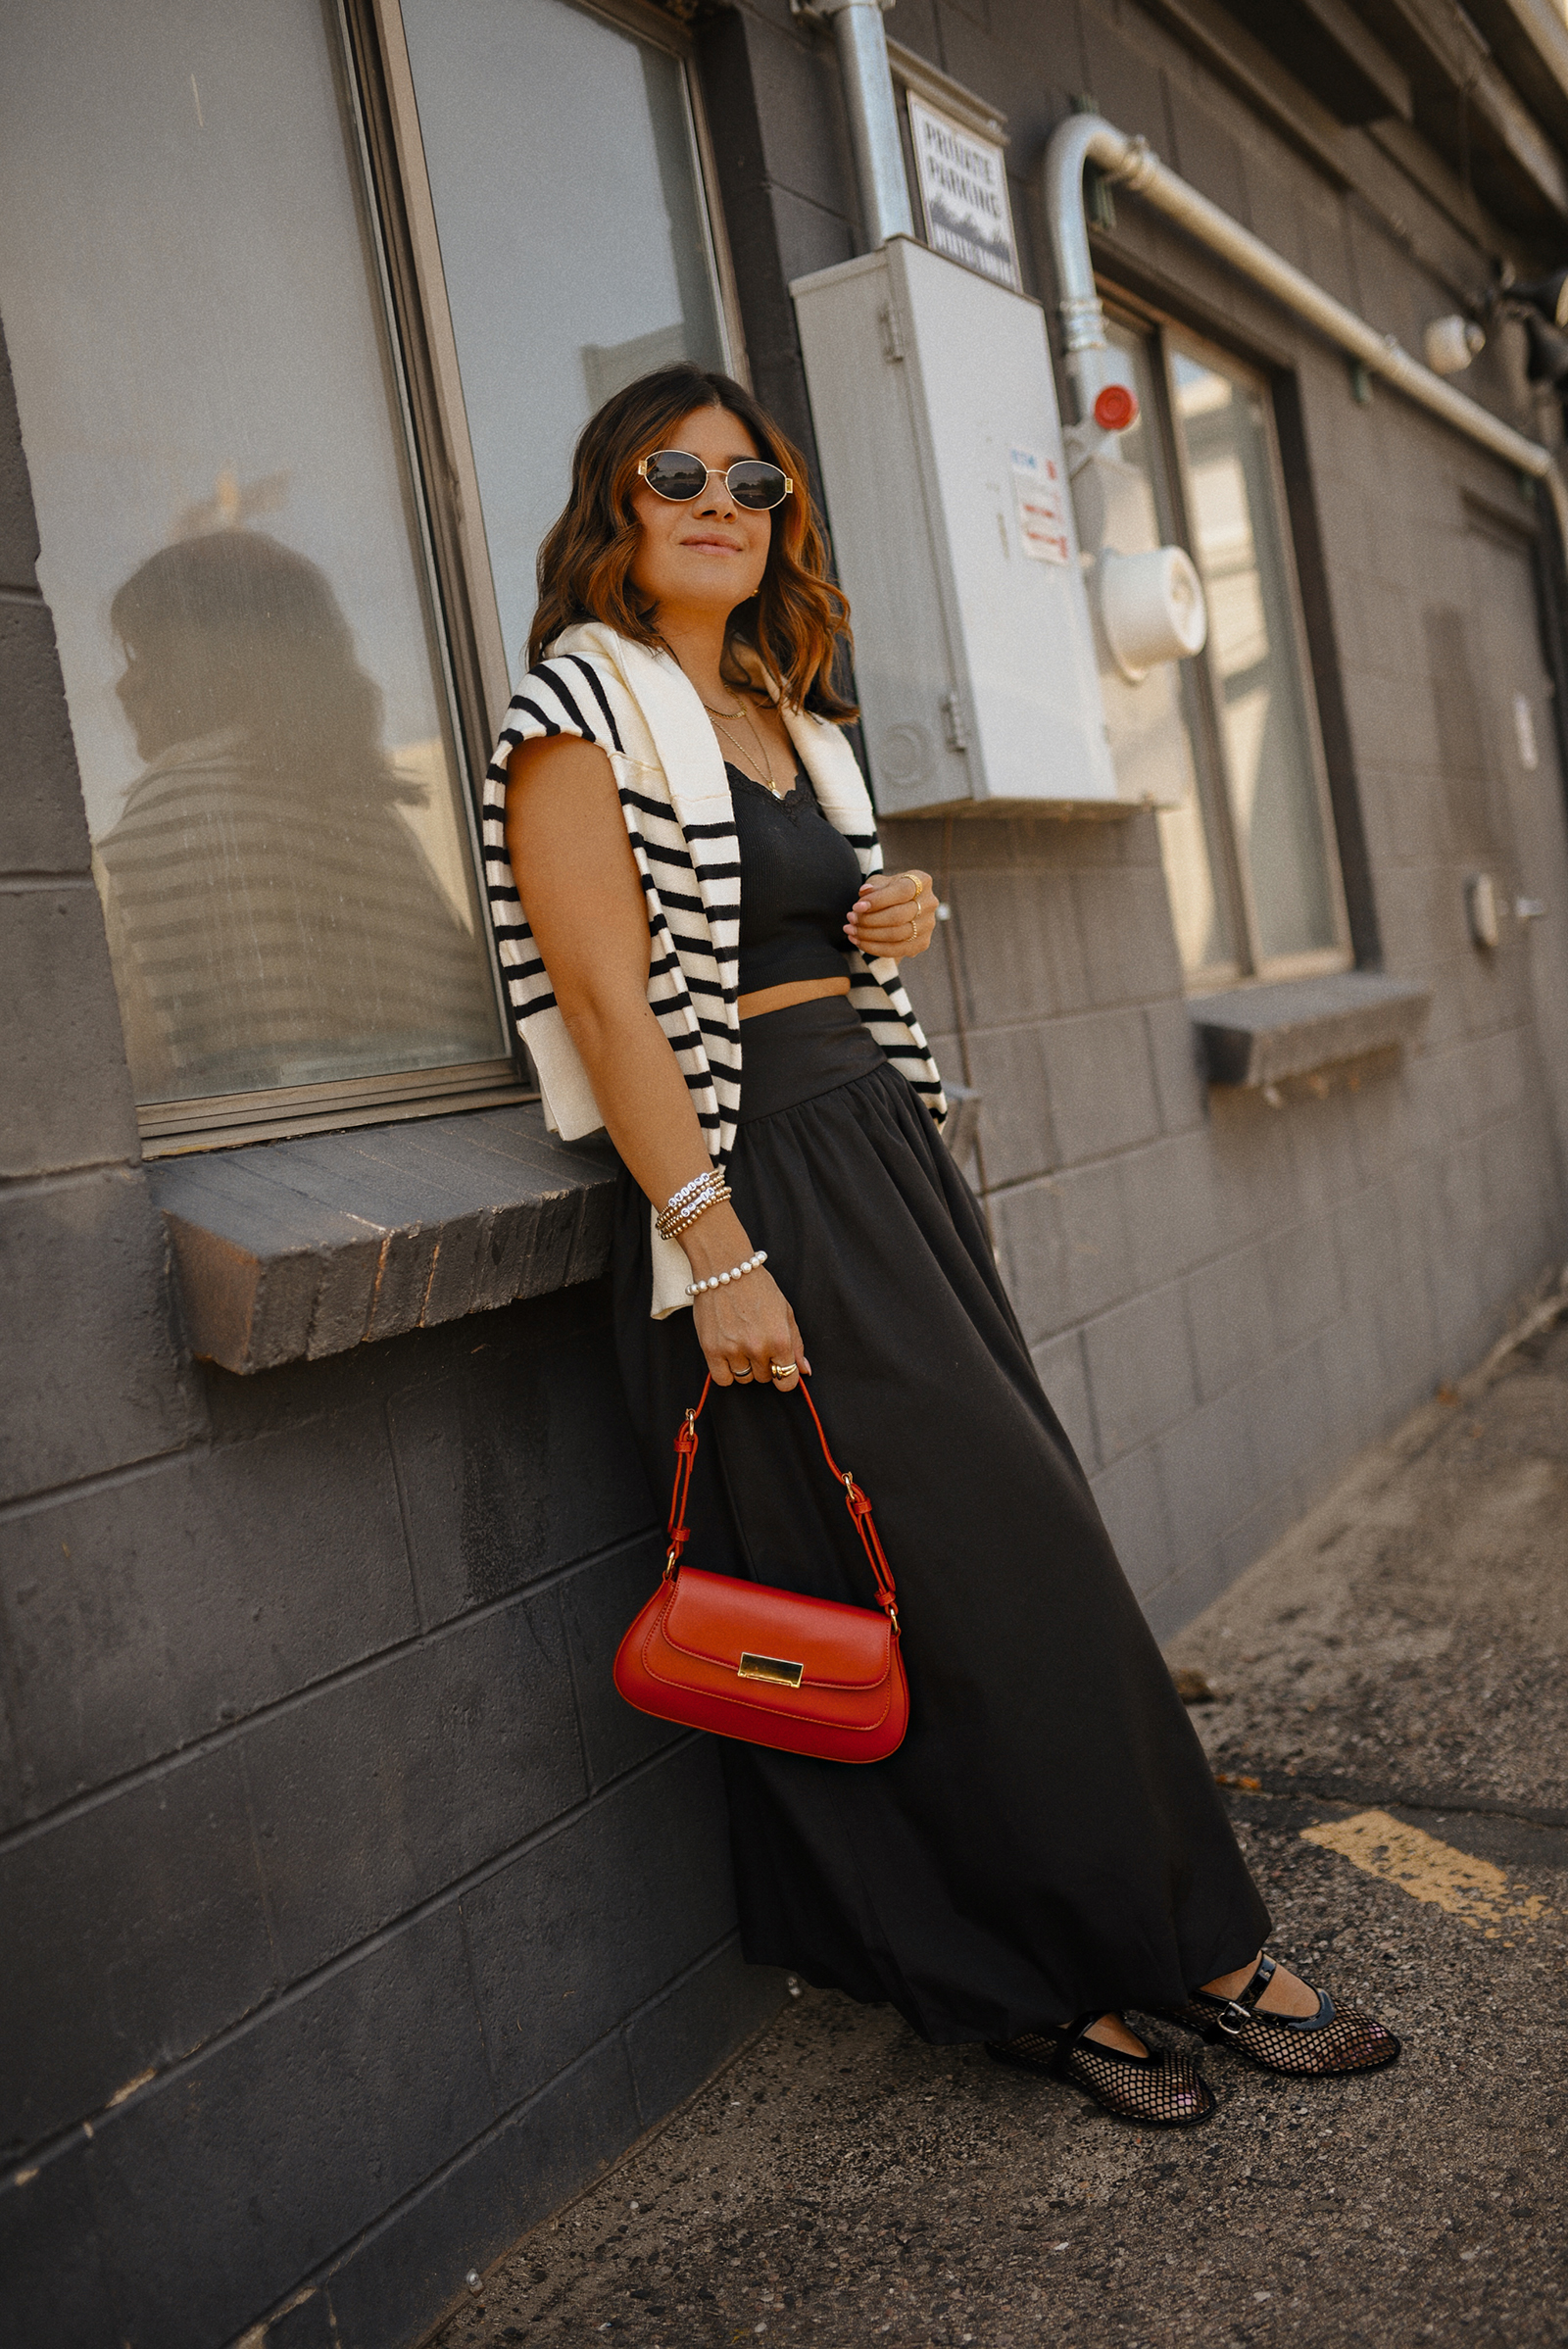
pixel 1472 1890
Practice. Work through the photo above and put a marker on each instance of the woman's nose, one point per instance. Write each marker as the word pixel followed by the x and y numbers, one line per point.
pixel 715 498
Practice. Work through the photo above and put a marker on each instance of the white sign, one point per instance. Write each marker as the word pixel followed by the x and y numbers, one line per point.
pixel 963 193
pixel 1038 500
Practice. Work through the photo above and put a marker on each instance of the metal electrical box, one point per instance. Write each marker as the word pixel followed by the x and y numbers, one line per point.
pixel 953 529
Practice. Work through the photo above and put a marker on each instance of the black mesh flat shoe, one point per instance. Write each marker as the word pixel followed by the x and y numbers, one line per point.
pixel 1334 2040
pixel 1160 2091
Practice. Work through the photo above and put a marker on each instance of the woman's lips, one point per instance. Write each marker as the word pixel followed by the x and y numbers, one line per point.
pixel 713 546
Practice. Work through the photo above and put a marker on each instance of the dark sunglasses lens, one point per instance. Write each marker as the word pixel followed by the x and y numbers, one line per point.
pixel 755 484
pixel 671 474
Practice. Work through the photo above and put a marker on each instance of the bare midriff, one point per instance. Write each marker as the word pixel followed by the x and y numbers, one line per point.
pixel 793 991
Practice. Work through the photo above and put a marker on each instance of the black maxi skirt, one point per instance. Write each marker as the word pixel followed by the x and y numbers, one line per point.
pixel 1047 1838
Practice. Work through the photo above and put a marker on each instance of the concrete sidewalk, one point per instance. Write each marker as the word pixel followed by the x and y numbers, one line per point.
pixel 1390 1720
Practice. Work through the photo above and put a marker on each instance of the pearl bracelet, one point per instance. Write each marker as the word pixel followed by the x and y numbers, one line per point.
pixel 737 1272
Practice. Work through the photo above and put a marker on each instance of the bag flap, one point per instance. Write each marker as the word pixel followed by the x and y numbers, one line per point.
pixel 719 1619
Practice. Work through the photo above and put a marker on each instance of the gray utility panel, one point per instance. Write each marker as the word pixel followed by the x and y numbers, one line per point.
pixel 941 447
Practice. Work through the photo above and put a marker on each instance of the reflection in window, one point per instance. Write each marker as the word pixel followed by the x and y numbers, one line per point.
pixel 231 550
pixel 1237 546
pixel 573 241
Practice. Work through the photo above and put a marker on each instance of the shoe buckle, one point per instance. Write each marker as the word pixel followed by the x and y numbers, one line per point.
pixel 1232 2019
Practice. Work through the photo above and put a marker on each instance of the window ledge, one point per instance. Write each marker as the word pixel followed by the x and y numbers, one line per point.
pixel 288 1250
pixel 1259 1035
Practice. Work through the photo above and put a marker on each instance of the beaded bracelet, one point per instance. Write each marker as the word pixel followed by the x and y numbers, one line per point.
pixel 689 1201
pixel 737 1272
pixel 698 1207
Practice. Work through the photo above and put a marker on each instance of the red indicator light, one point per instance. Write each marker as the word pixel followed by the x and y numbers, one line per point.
pixel 1116 408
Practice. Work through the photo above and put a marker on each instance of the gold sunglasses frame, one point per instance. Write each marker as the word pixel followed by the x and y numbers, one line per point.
pixel 708 470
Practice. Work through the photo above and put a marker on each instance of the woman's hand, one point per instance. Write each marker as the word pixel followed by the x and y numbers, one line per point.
pixel 895 915
pixel 746 1327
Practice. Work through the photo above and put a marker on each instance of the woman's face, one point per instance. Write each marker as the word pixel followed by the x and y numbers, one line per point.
pixel 706 557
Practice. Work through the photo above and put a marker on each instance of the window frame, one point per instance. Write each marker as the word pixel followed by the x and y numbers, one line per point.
pixel 1164 335
pixel 375 89
pixel 375 28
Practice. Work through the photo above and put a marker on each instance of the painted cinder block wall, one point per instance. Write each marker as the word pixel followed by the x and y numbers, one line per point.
pixel 1225 1300
pixel 347 1920
pixel 316 1817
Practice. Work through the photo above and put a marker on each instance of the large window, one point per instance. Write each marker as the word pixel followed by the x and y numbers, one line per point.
pixel 575 244
pixel 299 400
pixel 1250 857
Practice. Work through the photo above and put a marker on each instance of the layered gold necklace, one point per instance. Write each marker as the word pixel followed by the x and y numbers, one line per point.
pixel 755 757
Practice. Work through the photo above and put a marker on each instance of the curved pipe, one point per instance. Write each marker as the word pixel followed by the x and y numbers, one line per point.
pixel 1132 163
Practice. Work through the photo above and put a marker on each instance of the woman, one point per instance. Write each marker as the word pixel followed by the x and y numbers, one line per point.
pixel 703 956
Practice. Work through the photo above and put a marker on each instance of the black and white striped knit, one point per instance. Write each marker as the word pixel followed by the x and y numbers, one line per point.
pixel 637 706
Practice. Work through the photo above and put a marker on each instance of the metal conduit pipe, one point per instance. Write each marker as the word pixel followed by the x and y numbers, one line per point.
pixel 873 113
pixel 1131 163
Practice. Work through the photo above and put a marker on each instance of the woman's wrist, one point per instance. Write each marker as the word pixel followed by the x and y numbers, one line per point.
pixel 716 1241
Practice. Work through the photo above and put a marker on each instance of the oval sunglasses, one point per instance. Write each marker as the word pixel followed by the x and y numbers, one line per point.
pixel 753 483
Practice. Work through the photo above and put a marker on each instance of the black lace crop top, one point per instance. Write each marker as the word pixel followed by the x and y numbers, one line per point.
pixel 799 879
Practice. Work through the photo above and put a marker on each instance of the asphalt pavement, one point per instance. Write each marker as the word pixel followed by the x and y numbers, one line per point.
pixel 1388 1717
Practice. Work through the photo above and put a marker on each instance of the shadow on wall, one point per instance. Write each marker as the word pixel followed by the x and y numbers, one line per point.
pixel 272 918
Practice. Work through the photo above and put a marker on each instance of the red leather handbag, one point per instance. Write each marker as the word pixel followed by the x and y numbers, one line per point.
pixel 806 1675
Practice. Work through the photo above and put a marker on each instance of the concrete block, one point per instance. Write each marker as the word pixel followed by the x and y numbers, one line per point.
pixel 89 1377
pixel 1173 1211
pixel 1210 1476
pixel 1059 1362
pixel 1287 1413
pixel 1019 949
pixel 55 2293
pixel 289 2138
pixel 1064 1248
pixel 132 1932
pixel 1181 1084
pixel 1102 1086
pixel 375 1795
pixel 64 1090
pixel 1128 944
pixel 804 139
pixel 508 1471
pixel 1261 1035
pixel 43 824
pixel 1228 1320
pixel 1139 1370
pixel 1010 1073
pixel 597 1919
pixel 147 1615
pixel 598 1603
pixel 687 2031
pixel 1128 85
pixel 18 532
pixel 391 2287
pixel 1301 1272
pixel 303 1249
pixel 1132 1502
pixel 305 2324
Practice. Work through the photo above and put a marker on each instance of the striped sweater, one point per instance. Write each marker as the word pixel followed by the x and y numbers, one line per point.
pixel 640 709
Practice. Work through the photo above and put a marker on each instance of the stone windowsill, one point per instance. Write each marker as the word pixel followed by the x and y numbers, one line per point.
pixel 288 1250
pixel 1259 1035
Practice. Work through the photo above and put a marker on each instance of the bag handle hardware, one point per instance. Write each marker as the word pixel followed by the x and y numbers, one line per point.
pixel 854 1501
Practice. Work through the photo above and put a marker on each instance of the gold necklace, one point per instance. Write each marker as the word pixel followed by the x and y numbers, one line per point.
pixel 755 757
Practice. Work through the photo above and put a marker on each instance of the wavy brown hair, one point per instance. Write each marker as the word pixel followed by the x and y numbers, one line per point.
pixel 798 620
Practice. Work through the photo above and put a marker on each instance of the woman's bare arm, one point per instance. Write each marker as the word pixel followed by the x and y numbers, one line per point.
pixel 583 897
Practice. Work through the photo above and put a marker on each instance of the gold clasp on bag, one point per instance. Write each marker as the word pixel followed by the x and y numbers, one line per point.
pixel 770 1668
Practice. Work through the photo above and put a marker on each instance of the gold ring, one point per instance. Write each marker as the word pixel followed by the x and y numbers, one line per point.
pixel 913 926
pixel 784 1370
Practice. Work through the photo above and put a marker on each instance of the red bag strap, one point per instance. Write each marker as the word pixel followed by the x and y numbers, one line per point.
pixel 854 1501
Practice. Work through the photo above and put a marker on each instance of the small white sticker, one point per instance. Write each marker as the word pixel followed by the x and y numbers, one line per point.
pixel 1041 507
pixel 1524 728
